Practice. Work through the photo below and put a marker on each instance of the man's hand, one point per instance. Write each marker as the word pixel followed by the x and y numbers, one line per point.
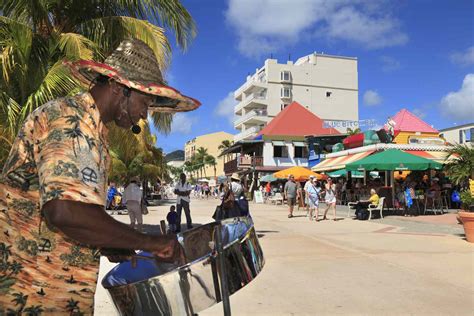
pixel 117 255
pixel 168 249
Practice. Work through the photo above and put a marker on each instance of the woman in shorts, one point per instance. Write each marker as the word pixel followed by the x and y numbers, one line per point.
pixel 330 198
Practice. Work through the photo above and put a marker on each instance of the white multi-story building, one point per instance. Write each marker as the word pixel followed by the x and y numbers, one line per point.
pixel 326 85
pixel 459 134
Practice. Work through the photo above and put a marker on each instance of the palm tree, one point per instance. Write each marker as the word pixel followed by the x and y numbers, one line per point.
pixel 20 299
pixel 201 154
pixel 225 145
pixel 460 163
pixel 211 161
pixel 37 36
pixel 34 310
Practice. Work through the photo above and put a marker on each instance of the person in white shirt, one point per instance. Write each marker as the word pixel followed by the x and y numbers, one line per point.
pixel 183 190
pixel 307 185
pixel 132 196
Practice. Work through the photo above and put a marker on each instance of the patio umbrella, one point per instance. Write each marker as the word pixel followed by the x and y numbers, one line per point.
pixel 300 173
pixel 268 178
pixel 393 159
pixel 221 179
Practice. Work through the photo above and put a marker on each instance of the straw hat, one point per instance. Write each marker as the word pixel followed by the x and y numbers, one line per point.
pixel 133 64
pixel 235 176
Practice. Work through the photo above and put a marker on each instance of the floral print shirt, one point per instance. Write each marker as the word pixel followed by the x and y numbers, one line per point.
pixel 60 153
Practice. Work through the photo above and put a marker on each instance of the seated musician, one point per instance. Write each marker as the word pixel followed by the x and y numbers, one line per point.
pixel 364 204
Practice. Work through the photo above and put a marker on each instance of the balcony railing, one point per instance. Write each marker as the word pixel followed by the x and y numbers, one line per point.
pixel 252 131
pixel 243 162
pixel 251 114
pixel 250 82
pixel 254 97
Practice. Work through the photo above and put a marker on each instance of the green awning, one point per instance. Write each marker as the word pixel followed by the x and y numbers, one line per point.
pixel 391 160
pixel 299 144
pixel 278 143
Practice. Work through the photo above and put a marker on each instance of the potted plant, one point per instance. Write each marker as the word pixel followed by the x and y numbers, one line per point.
pixel 466 215
pixel 460 170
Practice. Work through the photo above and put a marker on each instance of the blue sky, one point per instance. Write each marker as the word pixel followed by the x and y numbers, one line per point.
pixel 415 54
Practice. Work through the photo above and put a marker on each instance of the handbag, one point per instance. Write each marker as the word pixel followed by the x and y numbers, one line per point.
pixel 143 207
pixel 229 199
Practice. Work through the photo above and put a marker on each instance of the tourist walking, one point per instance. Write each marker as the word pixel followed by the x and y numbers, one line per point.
pixel 56 176
pixel 132 196
pixel 306 193
pixel 183 190
pixel 241 206
pixel 330 198
pixel 313 191
pixel 291 194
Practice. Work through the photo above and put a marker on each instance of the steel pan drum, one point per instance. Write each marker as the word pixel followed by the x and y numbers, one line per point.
pixel 153 288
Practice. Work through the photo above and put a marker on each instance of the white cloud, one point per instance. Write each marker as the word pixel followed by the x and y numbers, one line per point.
pixel 265 26
pixel 182 123
pixel 372 98
pixel 389 64
pixel 460 104
pixel 225 107
pixel 465 58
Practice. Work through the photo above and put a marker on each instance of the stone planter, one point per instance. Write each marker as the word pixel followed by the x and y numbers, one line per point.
pixel 467 219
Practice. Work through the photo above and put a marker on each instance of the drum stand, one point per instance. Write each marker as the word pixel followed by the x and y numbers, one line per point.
pixel 223 275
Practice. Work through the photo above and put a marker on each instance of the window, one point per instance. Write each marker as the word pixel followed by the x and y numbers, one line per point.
pixel 284 105
pixel 461 138
pixel 280 150
pixel 285 76
pixel 301 152
pixel 328 94
pixel 286 92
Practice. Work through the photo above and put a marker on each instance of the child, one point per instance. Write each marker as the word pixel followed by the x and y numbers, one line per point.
pixel 172 218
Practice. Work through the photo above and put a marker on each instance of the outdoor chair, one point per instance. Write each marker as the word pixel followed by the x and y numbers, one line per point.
pixel 351 207
pixel 277 198
pixel 378 207
pixel 434 203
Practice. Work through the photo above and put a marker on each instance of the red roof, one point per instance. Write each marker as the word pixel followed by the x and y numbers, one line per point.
pixel 409 122
pixel 296 120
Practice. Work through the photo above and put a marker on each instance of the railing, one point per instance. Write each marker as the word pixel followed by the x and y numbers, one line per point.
pixel 254 79
pixel 250 115
pixel 230 166
pixel 243 162
pixel 247 133
pixel 248 99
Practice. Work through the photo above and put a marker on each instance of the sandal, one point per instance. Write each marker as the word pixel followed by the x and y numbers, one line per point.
pixel 290 216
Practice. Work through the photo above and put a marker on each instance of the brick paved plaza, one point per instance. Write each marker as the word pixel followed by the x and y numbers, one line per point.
pixel 392 266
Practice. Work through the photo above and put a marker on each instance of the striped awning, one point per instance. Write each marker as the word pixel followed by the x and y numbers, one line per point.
pixel 438 156
pixel 339 162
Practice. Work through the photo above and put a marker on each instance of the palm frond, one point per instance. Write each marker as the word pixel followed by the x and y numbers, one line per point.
pixel 109 31
pixel 162 122
pixel 170 14
pixel 57 82
pixel 173 15
pixel 15 42
pixel 9 113
pixel 76 46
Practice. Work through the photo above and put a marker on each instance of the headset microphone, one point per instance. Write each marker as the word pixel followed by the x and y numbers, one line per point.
pixel 135 128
